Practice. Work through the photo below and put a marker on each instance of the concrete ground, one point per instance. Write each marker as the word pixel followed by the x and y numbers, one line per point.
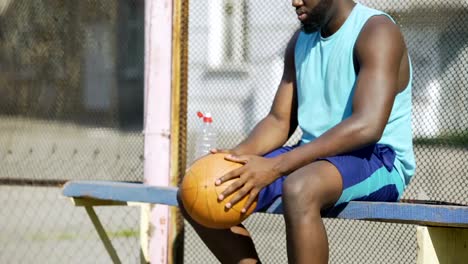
pixel 39 225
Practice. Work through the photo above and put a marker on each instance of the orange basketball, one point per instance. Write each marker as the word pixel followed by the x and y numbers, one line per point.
pixel 199 193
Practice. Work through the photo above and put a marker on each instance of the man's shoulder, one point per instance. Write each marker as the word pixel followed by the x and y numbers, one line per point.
pixel 380 22
pixel 290 48
pixel 379 29
pixel 376 19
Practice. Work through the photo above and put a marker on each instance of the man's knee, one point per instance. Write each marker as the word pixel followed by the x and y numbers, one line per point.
pixel 316 186
pixel 302 191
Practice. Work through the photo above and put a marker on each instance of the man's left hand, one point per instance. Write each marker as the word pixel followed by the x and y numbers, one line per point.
pixel 256 173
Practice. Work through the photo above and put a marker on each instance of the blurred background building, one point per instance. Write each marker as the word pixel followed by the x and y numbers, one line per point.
pixel 79 61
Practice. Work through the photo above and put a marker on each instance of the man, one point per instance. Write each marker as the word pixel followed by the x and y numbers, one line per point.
pixel 347 85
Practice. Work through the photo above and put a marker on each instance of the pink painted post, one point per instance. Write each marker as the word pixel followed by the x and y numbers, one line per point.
pixel 158 76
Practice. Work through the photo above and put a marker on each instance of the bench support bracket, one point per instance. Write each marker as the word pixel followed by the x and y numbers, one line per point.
pixel 89 203
pixel 102 235
pixel 442 245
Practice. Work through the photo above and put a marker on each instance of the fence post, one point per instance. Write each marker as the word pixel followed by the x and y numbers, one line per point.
pixel 166 45
pixel 157 117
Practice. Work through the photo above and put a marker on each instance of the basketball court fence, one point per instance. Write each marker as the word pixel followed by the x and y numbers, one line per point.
pixel 71 107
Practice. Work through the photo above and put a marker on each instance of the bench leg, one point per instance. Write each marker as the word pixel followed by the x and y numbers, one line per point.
pixel 442 245
pixel 144 233
pixel 102 234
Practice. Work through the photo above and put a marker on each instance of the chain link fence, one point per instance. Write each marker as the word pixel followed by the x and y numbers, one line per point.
pixel 71 107
pixel 235 63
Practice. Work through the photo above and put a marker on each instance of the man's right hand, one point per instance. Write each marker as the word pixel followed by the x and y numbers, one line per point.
pixel 226 151
pixel 215 150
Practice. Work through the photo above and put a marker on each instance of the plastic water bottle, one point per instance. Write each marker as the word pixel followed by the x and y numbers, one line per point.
pixel 206 138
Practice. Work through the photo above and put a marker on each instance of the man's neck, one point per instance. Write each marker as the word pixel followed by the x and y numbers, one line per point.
pixel 337 17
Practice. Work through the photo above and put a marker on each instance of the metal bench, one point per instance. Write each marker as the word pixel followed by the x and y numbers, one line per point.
pixel 442 231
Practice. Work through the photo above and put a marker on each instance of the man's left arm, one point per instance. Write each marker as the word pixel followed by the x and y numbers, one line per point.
pixel 379 51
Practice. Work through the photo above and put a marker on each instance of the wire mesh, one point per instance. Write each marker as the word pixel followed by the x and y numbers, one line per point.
pixel 71 103
pixel 71 107
pixel 235 64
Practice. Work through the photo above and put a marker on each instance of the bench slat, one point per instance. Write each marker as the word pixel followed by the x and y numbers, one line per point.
pixel 407 213
pixel 423 214
pixel 121 191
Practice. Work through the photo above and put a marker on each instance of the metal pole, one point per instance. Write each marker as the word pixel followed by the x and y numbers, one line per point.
pixel 157 127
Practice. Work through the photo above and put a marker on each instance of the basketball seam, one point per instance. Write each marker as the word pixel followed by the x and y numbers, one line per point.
pixel 194 200
pixel 206 198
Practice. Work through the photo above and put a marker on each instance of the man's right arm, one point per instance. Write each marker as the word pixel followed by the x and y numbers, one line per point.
pixel 281 122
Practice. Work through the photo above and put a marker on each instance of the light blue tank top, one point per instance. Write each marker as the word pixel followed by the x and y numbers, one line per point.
pixel 326 80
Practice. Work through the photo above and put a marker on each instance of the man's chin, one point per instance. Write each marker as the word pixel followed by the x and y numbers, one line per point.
pixel 310 27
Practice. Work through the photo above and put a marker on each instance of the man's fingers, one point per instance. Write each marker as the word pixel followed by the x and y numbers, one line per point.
pixel 239 195
pixel 216 150
pixel 230 175
pixel 239 159
pixel 253 195
pixel 231 189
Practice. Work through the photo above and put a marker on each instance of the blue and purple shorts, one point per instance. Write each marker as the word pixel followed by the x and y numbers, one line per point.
pixel 368 175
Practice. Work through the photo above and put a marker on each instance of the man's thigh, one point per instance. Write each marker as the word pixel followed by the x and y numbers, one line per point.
pixel 366 175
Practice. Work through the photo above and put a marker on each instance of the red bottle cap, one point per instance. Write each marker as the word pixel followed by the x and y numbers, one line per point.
pixel 207 118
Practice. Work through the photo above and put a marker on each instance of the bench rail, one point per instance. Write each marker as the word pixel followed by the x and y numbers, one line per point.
pixel 409 213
